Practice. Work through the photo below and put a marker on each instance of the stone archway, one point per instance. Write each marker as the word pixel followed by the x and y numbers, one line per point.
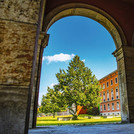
pixel 110 24
pixel 114 29
pixel 79 9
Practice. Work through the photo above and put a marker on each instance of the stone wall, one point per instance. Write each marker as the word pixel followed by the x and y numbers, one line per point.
pixel 13 104
pixel 16 49
pixel 18 26
pixel 20 10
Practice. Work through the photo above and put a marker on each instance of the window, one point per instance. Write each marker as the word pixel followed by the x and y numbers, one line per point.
pixel 100 107
pixel 112 106
pixel 104 96
pixel 117 106
pixel 111 82
pixel 112 94
pixel 104 107
pixel 107 95
pixel 116 80
pixel 107 84
pixel 103 86
pixel 117 94
pixel 101 96
pixel 108 105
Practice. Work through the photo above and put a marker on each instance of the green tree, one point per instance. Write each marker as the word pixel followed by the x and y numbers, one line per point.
pixel 52 102
pixel 78 86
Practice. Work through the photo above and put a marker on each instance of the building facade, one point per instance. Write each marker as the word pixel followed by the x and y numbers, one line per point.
pixel 110 104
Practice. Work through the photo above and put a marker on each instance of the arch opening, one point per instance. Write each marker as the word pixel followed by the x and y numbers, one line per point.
pixel 61 37
pixel 78 9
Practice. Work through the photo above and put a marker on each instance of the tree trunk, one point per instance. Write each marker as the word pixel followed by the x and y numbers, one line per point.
pixel 76 108
pixel 75 116
pixel 54 115
pixel 73 112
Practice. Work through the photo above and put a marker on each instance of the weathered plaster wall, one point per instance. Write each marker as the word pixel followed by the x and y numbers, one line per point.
pixel 18 25
pixel 18 21
pixel 20 10
pixel 16 49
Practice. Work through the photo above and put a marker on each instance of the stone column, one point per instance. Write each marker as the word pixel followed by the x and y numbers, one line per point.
pixel 125 61
pixel 43 42
pixel 35 89
pixel 18 25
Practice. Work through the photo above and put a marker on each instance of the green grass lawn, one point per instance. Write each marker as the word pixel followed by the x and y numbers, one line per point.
pixel 45 121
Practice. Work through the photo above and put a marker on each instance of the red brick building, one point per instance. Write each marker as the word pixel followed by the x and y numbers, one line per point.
pixel 110 94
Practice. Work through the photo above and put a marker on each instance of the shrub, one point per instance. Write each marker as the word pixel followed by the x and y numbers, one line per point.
pixel 75 117
pixel 93 111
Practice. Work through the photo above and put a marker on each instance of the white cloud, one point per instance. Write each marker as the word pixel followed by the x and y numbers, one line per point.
pixel 58 58
pixel 84 60
pixel 51 86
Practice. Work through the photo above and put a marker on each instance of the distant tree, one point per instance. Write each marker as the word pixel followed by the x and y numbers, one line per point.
pixel 78 86
pixel 52 102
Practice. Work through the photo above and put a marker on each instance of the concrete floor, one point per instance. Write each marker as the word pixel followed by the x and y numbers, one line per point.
pixel 89 129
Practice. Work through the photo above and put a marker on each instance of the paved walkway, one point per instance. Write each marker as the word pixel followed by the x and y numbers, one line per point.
pixel 90 129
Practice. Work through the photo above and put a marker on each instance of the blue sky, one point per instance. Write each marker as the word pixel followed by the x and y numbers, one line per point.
pixel 80 36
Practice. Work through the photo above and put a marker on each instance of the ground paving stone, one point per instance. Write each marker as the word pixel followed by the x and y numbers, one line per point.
pixel 88 129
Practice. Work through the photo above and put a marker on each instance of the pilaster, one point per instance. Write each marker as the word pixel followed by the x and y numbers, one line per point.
pixel 125 62
pixel 42 43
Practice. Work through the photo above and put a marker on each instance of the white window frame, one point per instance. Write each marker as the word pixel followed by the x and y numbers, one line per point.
pixel 112 106
pixel 117 105
pixel 108 105
pixel 104 98
pixel 117 93
pixel 112 94
pixel 104 107
pixel 103 85
pixel 100 107
pixel 107 95
pixel 107 84
pixel 115 80
pixel 111 82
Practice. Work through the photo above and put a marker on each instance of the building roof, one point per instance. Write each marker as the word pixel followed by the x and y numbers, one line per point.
pixel 107 75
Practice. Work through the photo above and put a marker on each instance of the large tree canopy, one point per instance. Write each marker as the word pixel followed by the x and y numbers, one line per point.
pixel 78 86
